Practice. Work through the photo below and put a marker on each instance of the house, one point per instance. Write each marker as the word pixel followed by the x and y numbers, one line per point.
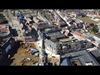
pixel 65 62
pixel 55 35
pixel 53 41
pixel 81 58
pixel 96 54
pixel 6 41
pixel 74 45
pixel 4 30
pixel 6 48
pixel 40 28
pixel 30 35
pixel 51 46
pixel 61 45
pixel 65 31
pixel 29 39
pixel 42 25
pixel 93 13
pixel 79 35
pixel 3 20
pixel 4 26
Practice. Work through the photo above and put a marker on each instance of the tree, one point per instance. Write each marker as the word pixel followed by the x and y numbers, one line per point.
pixel 94 29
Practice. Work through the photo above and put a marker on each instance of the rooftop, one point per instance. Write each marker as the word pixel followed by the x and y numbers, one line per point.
pixel 3 19
pixel 55 33
pixel 65 62
pixel 79 35
pixel 75 45
pixel 3 41
pixel 96 53
pixel 43 25
pixel 48 15
pixel 83 57
pixel 4 28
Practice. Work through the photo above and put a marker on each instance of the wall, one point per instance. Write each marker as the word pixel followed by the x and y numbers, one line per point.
pixel 50 47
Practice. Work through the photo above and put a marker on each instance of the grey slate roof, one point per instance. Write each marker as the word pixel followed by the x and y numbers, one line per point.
pixel 83 56
pixel 64 62
pixel 96 53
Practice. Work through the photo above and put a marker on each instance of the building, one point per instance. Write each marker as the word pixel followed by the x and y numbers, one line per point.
pixel 65 62
pixel 96 54
pixel 6 48
pixel 4 30
pixel 65 31
pixel 93 13
pixel 52 40
pixel 3 20
pixel 81 58
pixel 4 26
pixel 42 28
pixel 62 44
pixel 31 36
pixel 79 35
pixel 55 35
pixel 6 41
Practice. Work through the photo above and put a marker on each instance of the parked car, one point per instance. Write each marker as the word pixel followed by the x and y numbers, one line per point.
pixel 34 52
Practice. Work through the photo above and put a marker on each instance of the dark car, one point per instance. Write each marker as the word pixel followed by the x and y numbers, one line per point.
pixel 34 52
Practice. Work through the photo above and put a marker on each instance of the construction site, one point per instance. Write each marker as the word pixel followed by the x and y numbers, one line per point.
pixel 24 57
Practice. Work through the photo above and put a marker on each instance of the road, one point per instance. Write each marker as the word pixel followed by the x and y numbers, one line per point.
pixel 63 18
